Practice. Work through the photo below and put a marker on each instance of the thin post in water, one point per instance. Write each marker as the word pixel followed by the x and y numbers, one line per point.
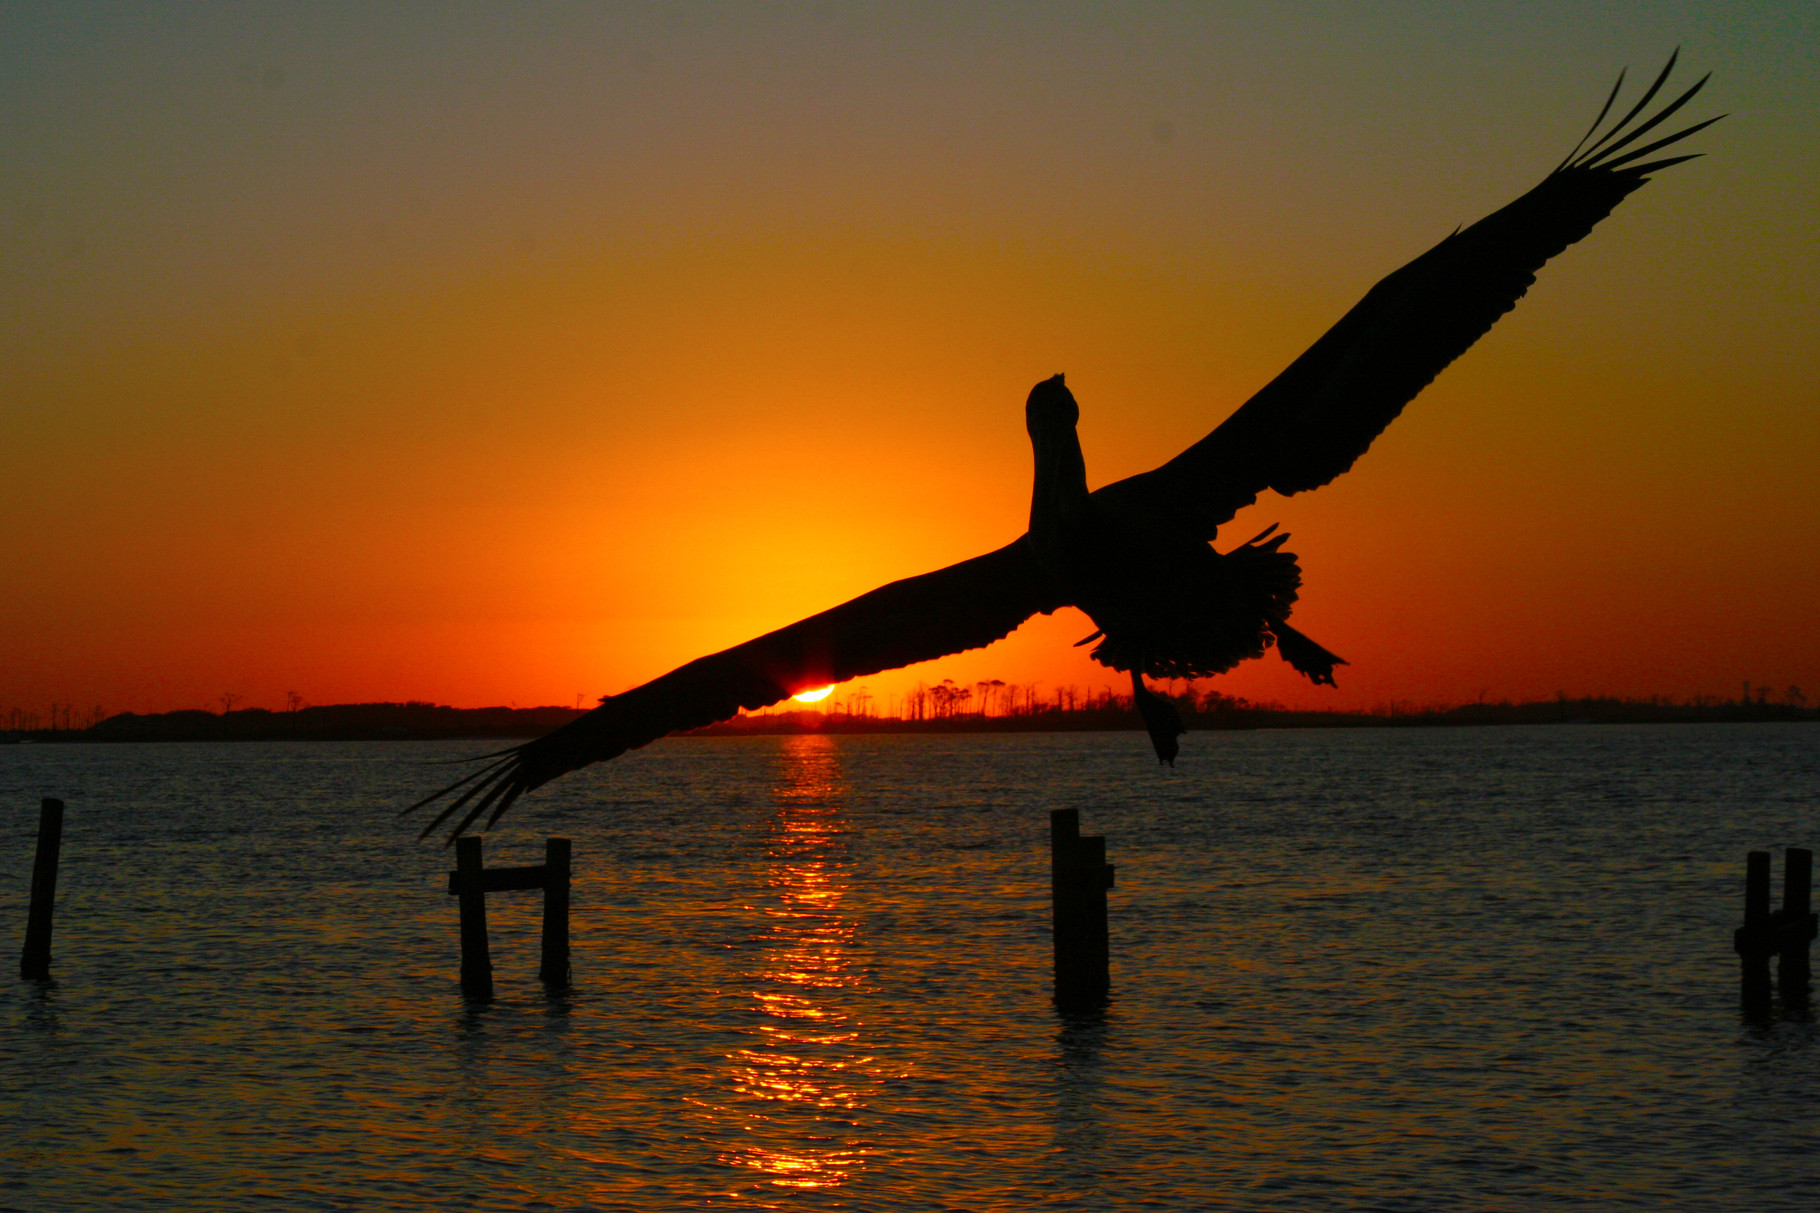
pixel 35 961
pixel 1078 879
pixel 1756 889
pixel 1094 877
pixel 1064 899
pixel 555 968
pixel 470 887
pixel 1792 971
pixel 1752 940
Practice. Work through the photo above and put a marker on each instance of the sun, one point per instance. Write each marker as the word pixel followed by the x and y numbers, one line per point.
pixel 815 696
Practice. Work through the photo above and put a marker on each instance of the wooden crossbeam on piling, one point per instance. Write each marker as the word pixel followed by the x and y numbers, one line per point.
pixel 35 960
pixel 502 880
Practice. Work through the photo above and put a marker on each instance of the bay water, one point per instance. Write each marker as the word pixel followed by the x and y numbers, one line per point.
pixel 1387 969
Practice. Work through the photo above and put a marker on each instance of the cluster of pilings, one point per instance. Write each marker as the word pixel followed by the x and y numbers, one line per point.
pixel 1785 933
pixel 471 881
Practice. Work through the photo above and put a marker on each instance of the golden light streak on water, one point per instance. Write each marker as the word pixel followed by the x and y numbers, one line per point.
pixel 808 1067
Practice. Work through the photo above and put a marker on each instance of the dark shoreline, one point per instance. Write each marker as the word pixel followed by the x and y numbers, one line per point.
pixel 431 722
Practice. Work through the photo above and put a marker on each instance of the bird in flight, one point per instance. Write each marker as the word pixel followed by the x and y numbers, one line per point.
pixel 1137 556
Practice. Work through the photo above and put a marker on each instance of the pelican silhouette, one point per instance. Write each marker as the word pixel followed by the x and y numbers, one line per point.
pixel 1136 556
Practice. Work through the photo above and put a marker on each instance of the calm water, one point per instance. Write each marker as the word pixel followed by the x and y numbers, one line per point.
pixel 1374 969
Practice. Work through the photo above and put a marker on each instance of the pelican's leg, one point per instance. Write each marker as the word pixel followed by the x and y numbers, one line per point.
pixel 1160 717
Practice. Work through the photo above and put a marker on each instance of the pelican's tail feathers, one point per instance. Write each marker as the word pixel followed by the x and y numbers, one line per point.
pixel 1309 659
pixel 1214 615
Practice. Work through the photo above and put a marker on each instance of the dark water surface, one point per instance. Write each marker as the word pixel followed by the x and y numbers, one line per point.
pixel 1364 969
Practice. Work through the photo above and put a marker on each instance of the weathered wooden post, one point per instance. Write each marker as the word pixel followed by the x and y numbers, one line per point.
pixel 35 961
pixel 1078 879
pixel 555 968
pixel 1751 941
pixel 1095 876
pixel 1064 900
pixel 1797 926
pixel 470 887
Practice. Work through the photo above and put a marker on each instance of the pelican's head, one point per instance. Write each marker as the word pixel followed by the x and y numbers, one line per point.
pixel 1050 410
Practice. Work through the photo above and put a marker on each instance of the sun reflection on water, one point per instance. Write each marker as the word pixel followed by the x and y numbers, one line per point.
pixel 801 1083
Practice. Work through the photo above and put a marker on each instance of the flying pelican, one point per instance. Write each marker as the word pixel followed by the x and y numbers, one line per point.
pixel 1137 556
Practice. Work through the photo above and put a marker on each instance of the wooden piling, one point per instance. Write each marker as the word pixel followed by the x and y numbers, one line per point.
pixel 1064 900
pixel 1786 934
pixel 1078 879
pixel 35 961
pixel 1756 889
pixel 1751 941
pixel 555 968
pixel 470 887
pixel 1094 877
pixel 1792 973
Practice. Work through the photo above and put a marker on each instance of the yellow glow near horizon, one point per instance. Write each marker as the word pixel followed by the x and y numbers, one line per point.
pixel 815 696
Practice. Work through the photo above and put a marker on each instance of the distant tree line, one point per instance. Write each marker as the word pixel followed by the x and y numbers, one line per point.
pixel 408 721
pixel 1013 707
pixel 63 717
pixel 986 706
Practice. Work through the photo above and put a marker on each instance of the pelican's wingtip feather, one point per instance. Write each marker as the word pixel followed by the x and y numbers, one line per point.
pixel 1602 156
pixel 1648 95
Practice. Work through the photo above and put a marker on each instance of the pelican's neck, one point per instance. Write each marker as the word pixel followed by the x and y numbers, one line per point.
pixel 1058 501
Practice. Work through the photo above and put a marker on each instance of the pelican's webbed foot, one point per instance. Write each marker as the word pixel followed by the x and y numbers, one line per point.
pixel 1160 718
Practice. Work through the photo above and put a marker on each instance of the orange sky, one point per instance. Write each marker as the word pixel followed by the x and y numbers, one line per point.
pixel 491 355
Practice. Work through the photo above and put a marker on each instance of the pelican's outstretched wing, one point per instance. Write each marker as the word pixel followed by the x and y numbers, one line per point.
pixel 963 606
pixel 1312 422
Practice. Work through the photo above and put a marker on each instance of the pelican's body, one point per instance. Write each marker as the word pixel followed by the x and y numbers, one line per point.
pixel 1137 555
pixel 1166 603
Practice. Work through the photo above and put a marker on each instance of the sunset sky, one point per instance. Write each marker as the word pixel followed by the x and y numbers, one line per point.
pixel 507 353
